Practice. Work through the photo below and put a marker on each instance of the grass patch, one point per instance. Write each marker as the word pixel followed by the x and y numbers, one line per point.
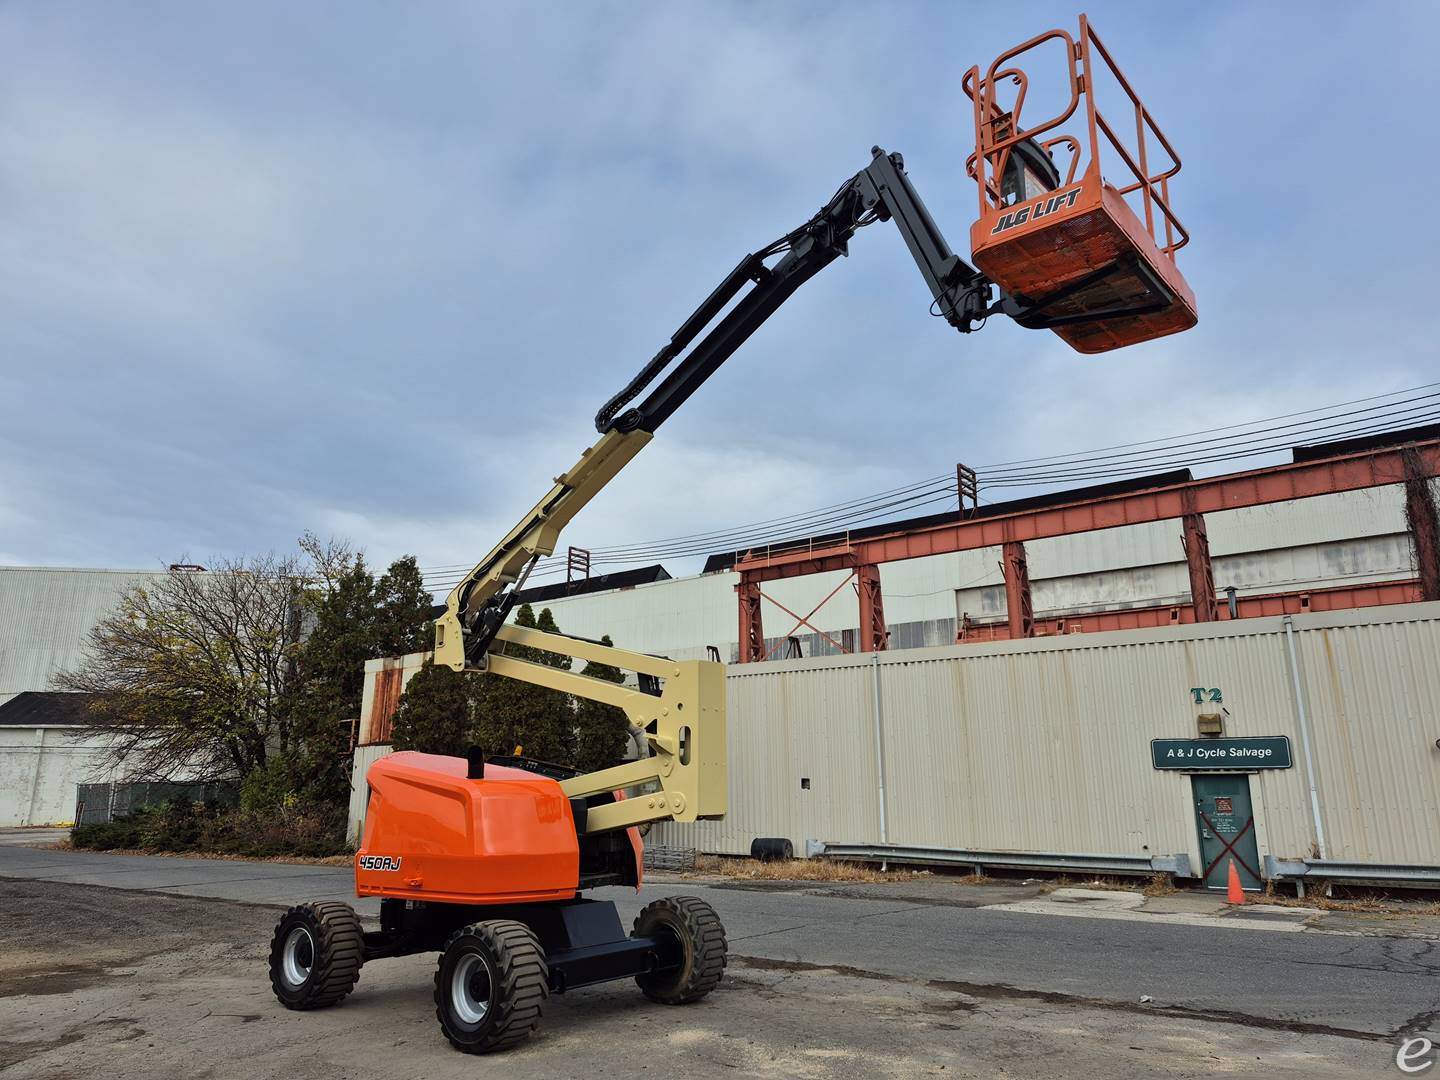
pixel 1362 902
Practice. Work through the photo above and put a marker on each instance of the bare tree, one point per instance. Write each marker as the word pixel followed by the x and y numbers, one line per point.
pixel 187 675
pixel 330 560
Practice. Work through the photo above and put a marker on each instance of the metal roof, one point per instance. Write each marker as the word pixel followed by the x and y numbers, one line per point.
pixel 39 708
pixel 618 579
pixel 727 560
pixel 46 613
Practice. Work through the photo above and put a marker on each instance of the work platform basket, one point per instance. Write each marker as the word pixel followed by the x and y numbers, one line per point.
pixel 1091 258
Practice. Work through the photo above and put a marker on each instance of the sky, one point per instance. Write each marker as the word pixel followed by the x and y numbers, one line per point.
pixel 369 270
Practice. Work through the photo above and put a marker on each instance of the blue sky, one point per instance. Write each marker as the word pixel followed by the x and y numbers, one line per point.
pixel 369 269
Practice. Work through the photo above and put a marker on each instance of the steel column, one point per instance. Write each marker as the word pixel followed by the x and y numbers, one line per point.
pixel 1424 523
pixel 1202 575
pixel 873 635
pixel 752 626
pixel 1019 610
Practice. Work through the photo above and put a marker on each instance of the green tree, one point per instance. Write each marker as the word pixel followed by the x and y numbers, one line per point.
pixel 435 715
pixel 402 610
pixel 351 618
pixel 511 713
pixel 601 730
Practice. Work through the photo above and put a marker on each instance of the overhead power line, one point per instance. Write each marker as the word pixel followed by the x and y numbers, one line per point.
pixel 1255 438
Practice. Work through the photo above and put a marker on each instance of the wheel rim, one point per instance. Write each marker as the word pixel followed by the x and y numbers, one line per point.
pixel 470 989
pixel 298 957
pixel 665 931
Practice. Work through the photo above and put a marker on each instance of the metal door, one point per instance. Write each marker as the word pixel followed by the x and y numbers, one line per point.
pixel 1227 830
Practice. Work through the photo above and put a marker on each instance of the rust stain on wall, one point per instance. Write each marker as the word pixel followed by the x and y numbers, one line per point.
pixel 388 685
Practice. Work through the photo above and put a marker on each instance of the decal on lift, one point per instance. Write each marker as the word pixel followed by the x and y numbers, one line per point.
pixel 1042 208
pixel 379 862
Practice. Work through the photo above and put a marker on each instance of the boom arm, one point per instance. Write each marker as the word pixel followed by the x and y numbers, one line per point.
pixel 685 722
pixel 479 604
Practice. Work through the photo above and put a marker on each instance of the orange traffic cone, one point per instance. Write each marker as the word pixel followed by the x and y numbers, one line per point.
pixel 1234 894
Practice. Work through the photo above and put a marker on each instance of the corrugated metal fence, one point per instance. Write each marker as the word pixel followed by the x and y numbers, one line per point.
pixel 1043 745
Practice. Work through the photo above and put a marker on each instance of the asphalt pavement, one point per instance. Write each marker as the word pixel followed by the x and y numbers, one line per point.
pixel 985 942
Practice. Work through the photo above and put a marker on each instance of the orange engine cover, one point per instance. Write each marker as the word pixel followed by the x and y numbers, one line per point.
pixel 433 834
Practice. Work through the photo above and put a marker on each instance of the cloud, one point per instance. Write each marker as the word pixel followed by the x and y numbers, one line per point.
pixel 371 272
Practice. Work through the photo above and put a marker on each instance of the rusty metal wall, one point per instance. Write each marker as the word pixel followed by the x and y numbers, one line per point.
pixel 385 681
pixel 1043 745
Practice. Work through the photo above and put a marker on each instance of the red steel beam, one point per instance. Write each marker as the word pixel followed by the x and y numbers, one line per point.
pixel 804 620
pixel 1279 483
pixel 1340 598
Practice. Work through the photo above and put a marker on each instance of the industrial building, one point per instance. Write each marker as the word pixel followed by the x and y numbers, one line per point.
pixel 892 688
pixel 45 615
pixel 995 686
pixel 1335 529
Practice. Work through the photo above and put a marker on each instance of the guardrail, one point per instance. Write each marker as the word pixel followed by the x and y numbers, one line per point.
pixel 1178 865
pixel 1298 870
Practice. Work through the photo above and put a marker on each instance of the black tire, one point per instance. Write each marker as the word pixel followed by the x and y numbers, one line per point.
pixel 491 986
pixel 315 955
pixel 772 849
pixel 693 923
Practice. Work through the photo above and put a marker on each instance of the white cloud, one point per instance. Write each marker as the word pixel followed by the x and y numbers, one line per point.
pixel 269 269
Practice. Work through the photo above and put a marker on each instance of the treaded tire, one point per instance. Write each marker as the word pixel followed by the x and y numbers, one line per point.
pixel 695 925
pixel 315 955
pixel 490 986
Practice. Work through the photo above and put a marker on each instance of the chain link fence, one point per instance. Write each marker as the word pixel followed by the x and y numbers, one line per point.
pixel 659 857
pixel 97 803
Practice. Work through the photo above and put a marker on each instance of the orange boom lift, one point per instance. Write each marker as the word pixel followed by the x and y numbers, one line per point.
pixel 487 861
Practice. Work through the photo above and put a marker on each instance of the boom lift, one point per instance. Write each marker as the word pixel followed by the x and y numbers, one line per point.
pixel 485 861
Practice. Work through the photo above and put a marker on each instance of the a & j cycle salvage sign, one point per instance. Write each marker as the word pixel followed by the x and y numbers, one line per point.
pixel 1264 752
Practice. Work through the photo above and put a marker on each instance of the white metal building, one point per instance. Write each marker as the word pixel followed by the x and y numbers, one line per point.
pixel 45 615
pixel 44 754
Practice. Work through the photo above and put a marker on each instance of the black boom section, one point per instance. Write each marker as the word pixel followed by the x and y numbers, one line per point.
pixel 757 288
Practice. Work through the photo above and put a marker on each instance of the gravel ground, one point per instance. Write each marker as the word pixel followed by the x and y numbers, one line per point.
pixel 113 983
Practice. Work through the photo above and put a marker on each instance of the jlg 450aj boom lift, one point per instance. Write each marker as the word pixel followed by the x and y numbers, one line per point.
pixel 486 861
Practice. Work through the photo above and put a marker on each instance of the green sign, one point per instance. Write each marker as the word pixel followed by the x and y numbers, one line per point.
pixel 1264 752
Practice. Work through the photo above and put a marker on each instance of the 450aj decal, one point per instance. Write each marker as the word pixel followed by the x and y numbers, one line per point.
pixel 379 862
pixel 1040 209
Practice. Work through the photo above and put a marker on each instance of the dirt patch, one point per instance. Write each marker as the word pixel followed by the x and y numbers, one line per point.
pixel 50 980
pixel 12 1053
pixel 58 939
pixel 1001 992
pixel 836 870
